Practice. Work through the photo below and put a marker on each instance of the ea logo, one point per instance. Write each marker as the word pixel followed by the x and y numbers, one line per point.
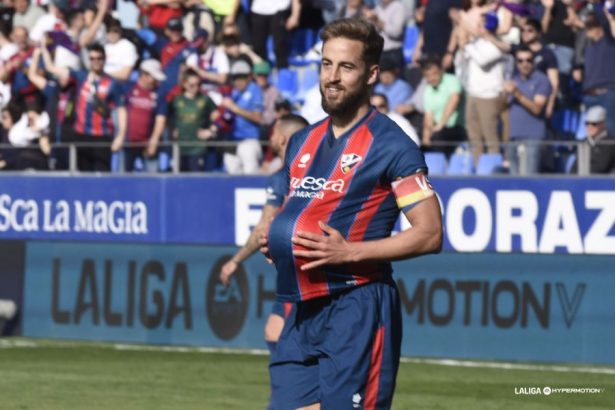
pixel 226 306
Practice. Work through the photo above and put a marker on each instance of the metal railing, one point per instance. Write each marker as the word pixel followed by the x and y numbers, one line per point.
pixel 64 156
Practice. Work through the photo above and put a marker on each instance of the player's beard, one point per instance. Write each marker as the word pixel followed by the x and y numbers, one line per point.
pixel 348 104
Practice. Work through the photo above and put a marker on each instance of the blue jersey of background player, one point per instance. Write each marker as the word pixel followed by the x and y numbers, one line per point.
pixel 349 177
pixel 277 188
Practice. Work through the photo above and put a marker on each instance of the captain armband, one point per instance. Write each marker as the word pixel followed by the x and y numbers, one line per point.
pixel 411 190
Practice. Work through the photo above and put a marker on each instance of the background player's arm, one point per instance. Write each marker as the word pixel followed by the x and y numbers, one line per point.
pixel 251 245
pixel 424 237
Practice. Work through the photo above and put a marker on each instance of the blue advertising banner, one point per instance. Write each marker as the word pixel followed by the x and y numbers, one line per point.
pixel 482 306
pixel 527 215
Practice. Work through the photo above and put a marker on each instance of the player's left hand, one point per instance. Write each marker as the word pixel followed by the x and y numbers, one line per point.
pixel 331 249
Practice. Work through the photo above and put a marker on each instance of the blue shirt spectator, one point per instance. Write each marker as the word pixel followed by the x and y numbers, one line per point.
pixel 249 99
pixel 396 90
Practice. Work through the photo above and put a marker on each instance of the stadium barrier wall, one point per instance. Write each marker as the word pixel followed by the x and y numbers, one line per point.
pixel 12 257
pixel 527 215
pixel 525 275
pixel 556 308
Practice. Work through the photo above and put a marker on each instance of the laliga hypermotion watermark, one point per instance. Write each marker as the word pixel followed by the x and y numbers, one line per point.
pixel 548 391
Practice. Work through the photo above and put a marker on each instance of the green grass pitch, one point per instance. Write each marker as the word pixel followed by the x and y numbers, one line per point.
pixel 41 375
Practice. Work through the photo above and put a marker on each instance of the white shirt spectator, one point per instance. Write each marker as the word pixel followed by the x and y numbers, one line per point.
pixel 484 77
pixel 7 51
pixel 269 7
pixel 29 18
pixel 46 23
pixel 394 16
pixel 22 134
pixel 119 55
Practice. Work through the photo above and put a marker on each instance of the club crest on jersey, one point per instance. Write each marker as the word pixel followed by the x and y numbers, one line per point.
pixel 349 161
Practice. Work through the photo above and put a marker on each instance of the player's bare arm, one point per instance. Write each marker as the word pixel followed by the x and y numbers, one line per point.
pixel 251 246
pixel 332 248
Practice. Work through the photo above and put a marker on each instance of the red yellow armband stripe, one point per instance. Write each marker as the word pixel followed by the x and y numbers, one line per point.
pixel 412 190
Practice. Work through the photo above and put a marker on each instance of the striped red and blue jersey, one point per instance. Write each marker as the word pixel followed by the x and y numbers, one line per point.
pixel 347 183
pixel 88 120
pixel 277 188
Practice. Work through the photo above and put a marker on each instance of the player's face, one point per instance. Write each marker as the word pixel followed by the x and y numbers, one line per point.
pixel 97 61
pixel 345 79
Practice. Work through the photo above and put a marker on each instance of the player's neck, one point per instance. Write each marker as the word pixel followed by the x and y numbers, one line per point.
pixel 341 124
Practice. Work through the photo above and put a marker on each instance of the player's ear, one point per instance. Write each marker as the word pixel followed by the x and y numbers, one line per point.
pixel 372 76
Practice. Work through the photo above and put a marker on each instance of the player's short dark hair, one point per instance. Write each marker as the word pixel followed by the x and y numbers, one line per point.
pixel 523 49
pixel 536 25
pixel 592 21
pixel 291 123
pixel 98 48
pixel 356 29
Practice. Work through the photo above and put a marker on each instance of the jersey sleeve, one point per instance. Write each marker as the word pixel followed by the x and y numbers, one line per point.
pixel 407 174
pixel 277 188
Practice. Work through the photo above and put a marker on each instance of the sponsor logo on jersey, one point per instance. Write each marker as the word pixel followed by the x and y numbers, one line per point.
pixel 310 187
pixel 304 160
pixel 349 161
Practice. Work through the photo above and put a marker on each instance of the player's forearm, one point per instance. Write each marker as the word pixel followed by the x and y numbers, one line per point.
pixel 424 237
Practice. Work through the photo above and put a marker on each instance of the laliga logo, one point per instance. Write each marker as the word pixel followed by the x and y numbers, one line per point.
pixel 304 160
pixel 349 161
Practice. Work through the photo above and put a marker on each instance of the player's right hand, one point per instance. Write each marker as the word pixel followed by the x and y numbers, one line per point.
pixel 227 270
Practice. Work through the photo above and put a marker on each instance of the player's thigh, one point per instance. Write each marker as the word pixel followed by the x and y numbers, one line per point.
pixel 273 327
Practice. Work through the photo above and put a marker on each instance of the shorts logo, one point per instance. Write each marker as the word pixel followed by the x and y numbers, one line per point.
pixel 304 160
pixel 356 400
pixel 349 161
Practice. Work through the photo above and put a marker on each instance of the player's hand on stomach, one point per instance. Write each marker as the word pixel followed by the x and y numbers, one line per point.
pixel 330 249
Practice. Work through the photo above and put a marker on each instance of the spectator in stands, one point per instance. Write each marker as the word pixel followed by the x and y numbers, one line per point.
pixel 192 112
pixel 13 72
pixel 173 54
pixel 7 47
pixel 26 14
pixel 442 124
pixel 147 111
pixel 270 95
pixel 599 71
pixel 224 12
pixel 390 84
pixel 352 9
pixel 121 54
pixel 484 81
pixel 527 92
pixel 556 24
pixel 81 32
pixel 159 13
pixel 275 18
pixel 602 156
pixel 234 48
pixel 436 31
pixel 209 61
pixel 546 60
pixel 52 21
pixel 246 103
pixel 97 95
pixel 28 133
pixel 57 95
pixel 381 103
pixel 390 18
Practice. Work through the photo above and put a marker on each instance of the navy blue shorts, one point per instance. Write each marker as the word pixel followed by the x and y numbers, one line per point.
pixel 341 351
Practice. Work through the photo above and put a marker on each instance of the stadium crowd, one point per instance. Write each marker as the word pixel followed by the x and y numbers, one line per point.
pixel 482 80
